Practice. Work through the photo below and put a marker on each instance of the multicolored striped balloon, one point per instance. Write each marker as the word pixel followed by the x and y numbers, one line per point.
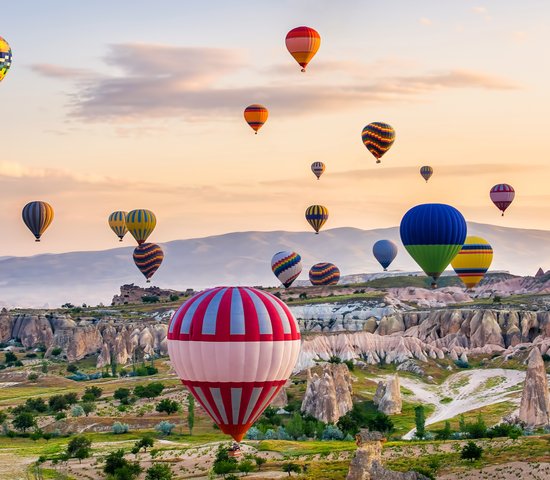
pixel 5 58
pixel 303 43
pixel 140 223
pixel 286 266
pixel 316 215
pixel 233 348
pixel 148 258
pixel 117 222
pixel 473 261
pixel 433 234
pixel 256 115
pixel 384 251
pixel 324 274
pixel 318 169
pixel 37 217
pixel 378 137
pixel 426 171
pixel 502 196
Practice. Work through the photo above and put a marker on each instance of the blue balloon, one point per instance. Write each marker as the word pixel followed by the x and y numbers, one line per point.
pixel 433 234
pixel 384 251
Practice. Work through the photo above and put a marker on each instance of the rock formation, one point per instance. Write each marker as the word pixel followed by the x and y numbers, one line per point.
pixel 367 461
pixel 133 294
pixel 540 273
pixel 388 396
pixel 535 401
pixel 328 394
pixel 281 399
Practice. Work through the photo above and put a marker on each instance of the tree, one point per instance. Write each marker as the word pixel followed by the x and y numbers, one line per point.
pixel 144 442
pixel 291 468
pixel 159 471
pixel 88 407
pixel 3 417
pixel 478 429
pixel 72 368
pixel 119 468
pixel 79 447
pixel 152 390
pixel 23 421
pixel 259 462
pixel 420 421
pixel 245 466
pixel 94 390
pixel 168 406
pixel 445 433
pixel 190 413
pixel 77 411
pixel 165 428
pixel 471 451
pixel 36 405
pixel 56 351
pixel 10 357
pixel 58 403
pixel 122 395
pixel 295 426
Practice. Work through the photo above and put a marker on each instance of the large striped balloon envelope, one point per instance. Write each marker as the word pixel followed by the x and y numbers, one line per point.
pixel 148 257
pixel 286 266
pixel 502 195
pixel 324 274
pixel 378 137
pixel 233 348
pixel 473 260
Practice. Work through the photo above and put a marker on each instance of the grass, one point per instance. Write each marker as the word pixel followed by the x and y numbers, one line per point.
pixel 293 449
pixel 492 415
pixel 379 296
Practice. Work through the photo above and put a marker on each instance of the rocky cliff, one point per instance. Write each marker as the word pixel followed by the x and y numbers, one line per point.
pixel 535 400
pixel 133 294
pixel 328 393
pixel 388 396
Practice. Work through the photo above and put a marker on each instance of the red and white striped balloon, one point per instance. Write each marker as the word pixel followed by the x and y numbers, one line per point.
pixel 233 348
pixel 502 196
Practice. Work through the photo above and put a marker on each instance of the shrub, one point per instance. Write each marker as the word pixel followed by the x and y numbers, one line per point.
pixel 10 357
pixel 61 416
pixel 88 407
pixel 32 377
pixel 174 298
pixel 165 428
pixel 159 471
pixel 150 390
pixel 254 434
pixel 56 351
pixel 144 442
pixel 79 447
pixel 23 421
pixel 77 411
pixel 119 468
pixel 332 432
pixel 471 452
pixel 93 391
pixel 72 368
pixel 122 395
pixel 120 428
pixel 167 406
pixel 150 299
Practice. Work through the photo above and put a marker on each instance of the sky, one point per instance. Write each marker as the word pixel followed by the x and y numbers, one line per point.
pixel 122 105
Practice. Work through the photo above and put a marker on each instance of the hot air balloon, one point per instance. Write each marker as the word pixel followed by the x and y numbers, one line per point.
pixel 502 196
pixel 117 222
pixel 303 43
pixel 148 257
pixel 426 171
pixel 5 58
pixel 433 234
pixel 318 168
pixel 256 115
pixel 324 274
pixel 140 223
pixel 233 348
pixel 473 260
pixel 37 217
pixel 286 266
pixel 378 137
pixel 384 251
pixel 317 215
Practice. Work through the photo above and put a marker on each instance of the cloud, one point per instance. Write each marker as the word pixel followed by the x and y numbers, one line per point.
pixel 482 11
pixel 60 72
pixel 425 21
pixel 157 81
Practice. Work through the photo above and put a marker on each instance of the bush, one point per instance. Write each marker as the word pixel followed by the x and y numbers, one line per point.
pixel 32 377
pixel 159 471
pixel 150 299
pixel 120 428
pixel 72 368
pixel 36 405
pixel 350 365
pixel 119 468
pixel 332 433
pixel 79 447
pixel 150 390
pixel 144 442
pixel 61 416
pixel 167 406
pixel 56 351
pixel 471 452
pixel 122 395
pixel 462 364
pixel 10 357
pixel 174 298
pixel 93 391
pixel 165 428
pixel 23 421
pixel 77 411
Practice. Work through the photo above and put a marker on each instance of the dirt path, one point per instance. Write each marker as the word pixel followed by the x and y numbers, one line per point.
pixel 465 391
pixel 506 471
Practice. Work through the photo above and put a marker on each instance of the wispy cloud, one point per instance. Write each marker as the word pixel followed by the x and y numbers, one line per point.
pixel 482 11
pixel 425 21
pixel 156 81
pixel 60 72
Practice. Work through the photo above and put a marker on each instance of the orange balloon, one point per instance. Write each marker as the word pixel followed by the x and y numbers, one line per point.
pixel 256 115
pixel 303 43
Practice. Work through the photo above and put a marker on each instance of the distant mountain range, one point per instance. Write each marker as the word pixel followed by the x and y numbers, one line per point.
pixel 240 258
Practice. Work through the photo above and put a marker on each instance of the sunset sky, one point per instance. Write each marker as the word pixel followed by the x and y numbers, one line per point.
pixel 138 104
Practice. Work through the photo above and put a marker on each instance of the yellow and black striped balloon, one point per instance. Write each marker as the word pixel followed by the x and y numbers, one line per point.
pixel 117 222
pixel 37 217
pixel 148 258
pixel 141 223
pixel 317 215
pixel 473 261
